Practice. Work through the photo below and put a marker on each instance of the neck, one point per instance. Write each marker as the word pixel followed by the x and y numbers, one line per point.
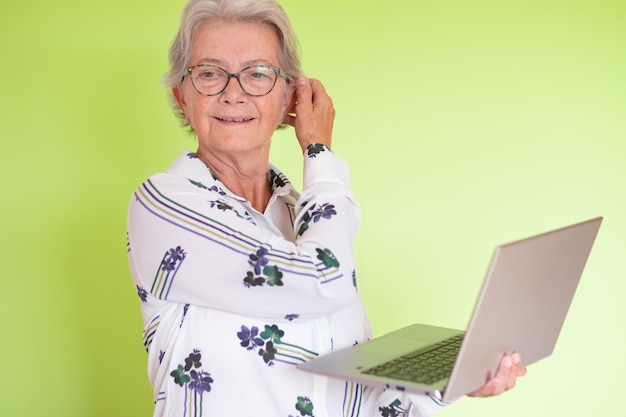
pixel 245 178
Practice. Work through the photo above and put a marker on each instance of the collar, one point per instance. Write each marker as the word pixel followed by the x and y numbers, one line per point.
pixel 188 165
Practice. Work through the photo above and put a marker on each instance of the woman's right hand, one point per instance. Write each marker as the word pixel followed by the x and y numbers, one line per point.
pixel 314 113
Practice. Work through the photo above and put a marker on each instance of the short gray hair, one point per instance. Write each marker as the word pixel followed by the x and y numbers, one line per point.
pixel 196 12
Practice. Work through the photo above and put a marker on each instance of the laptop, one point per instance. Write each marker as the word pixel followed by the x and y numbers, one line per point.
pixel 521 307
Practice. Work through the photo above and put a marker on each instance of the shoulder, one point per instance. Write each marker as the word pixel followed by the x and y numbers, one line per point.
pixel 187 174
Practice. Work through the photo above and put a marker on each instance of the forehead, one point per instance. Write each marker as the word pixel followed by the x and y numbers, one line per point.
pixel 235 43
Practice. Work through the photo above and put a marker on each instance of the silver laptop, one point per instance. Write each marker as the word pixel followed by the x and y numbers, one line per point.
pixel 522 305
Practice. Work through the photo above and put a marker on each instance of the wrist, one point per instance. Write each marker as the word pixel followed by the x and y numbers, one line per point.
pixel 313 149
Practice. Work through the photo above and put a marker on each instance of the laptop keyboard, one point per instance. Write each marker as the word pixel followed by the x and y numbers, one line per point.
pixel 426 365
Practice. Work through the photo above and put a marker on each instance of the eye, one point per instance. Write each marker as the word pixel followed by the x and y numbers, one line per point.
pixel 258 74
pixel 207 73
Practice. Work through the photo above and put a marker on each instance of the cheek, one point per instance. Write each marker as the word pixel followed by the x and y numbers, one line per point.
pixel 194 105
pixel 271 112
pixel 196 111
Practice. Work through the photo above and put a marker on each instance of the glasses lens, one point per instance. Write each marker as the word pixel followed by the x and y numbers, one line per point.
pixel 209 79
pixel 257 81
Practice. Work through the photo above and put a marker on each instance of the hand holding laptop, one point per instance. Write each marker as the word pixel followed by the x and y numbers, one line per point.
pixel 521 308
pixel 506 377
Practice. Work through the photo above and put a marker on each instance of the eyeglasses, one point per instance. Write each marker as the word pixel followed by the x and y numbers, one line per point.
pixel 255 81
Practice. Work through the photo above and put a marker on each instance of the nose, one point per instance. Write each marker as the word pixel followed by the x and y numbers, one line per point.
pixel 233 92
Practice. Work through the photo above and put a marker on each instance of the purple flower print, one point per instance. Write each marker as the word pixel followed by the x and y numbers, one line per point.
pixel 249 338
pixel 325 210
pixel 177 254
pixel 172 257
pixel 218 190
pixel 168 265
pixel 200 381
pixel 142 293
pixel 258 260
pixel 194 380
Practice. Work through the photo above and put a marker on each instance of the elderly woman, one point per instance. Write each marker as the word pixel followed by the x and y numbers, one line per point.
pixel 240 277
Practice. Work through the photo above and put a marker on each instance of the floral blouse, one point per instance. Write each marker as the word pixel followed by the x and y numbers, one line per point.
pixel 232 299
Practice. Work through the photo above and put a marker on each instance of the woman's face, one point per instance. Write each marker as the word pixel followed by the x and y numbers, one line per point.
pixel 234 122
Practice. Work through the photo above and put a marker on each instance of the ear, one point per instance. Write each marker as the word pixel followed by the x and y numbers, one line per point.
pixel 289 106
pixel 179 96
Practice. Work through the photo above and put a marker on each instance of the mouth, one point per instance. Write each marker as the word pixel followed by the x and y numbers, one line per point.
pixel 235 119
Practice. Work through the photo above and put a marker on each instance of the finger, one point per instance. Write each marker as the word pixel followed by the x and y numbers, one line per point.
pixel 490 389
pixel 517 358
pixel 320 97
pixel 318 91
pixel 304 98
pixel 323 112
pixel 497 384
pixel 514 371
pixel 501 380
pixel 518 370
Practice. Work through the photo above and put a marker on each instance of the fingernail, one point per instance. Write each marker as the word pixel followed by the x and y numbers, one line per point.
pixel 301 80
pixel 507 362
pixel 516 358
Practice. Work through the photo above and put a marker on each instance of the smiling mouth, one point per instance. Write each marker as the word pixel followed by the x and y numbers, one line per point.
pixel 234 119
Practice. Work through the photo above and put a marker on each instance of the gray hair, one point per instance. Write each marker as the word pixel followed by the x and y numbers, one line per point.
pixel 196 12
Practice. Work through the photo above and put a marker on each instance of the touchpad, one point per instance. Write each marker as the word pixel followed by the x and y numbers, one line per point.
pixel 393 345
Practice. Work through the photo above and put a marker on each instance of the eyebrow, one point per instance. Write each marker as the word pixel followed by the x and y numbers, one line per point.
pixel 246 64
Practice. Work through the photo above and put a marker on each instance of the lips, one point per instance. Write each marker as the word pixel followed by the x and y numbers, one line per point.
pixel 235 119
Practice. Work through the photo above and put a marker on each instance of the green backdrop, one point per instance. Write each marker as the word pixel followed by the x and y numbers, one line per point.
pixel 466 124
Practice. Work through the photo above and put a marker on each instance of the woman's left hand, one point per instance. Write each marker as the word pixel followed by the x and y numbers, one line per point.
pixel 505 378
pixel 314 113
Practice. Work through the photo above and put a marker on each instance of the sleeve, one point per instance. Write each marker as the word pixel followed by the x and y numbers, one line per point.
pixel 192 245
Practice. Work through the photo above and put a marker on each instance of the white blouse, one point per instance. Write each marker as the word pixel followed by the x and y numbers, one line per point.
pixel 233 299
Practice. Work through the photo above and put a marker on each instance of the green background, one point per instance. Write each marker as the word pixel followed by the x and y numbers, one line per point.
pixel 466 124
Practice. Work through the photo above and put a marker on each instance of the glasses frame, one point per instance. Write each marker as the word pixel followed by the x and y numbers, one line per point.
pixel 277 71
